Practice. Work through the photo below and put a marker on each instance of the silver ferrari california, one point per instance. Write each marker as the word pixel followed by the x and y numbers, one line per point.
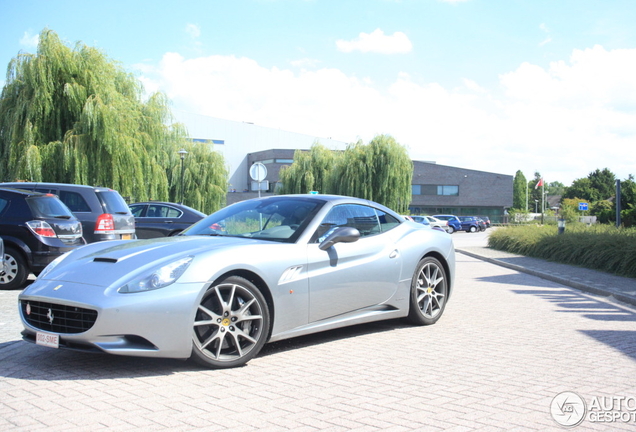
pixel 256 271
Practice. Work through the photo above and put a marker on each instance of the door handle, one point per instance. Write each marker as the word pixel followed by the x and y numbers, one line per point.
pixel 394 254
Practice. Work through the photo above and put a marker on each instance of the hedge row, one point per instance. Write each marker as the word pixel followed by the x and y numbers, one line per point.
pixel 599 247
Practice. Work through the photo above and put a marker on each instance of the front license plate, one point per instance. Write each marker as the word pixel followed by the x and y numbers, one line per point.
pixel 47 339
pixel 126 236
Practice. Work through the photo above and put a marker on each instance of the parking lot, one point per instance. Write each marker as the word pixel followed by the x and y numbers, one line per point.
pixel 507 345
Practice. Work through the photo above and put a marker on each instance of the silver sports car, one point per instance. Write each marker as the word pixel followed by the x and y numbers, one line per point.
pixel 256 271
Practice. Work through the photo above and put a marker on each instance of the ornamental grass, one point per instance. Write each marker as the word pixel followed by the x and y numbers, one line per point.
pixel 598 247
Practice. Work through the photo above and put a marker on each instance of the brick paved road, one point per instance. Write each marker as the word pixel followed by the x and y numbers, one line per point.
pixel 507 345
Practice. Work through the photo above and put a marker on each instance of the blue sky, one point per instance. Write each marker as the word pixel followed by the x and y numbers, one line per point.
pixel 494 85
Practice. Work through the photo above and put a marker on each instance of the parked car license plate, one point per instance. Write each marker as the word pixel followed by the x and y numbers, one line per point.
pixel 126 236
pixel 47 339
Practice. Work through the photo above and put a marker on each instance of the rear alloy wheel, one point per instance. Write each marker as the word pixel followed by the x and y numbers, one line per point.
pixel 451 229
pixel 473 229
pixel 231 324
pixel 15 272
pixel 429 291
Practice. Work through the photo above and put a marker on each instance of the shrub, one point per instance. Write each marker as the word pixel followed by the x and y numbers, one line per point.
pixel 599 247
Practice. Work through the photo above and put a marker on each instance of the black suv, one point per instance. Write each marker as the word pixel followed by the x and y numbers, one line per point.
pixel 102 211
pixel 35 228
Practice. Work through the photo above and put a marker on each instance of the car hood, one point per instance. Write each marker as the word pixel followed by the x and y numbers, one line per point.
pixel 104 263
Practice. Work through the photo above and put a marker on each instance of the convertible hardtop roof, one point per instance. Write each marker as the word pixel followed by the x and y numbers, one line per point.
pixel 335 199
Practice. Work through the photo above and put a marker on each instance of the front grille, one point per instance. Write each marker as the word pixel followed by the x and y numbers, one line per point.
pixel 57 318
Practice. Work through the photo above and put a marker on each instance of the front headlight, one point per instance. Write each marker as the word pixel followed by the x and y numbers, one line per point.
pixel 160 278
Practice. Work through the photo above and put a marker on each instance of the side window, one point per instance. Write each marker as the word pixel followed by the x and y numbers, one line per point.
pixel 74 201
pixel 387 221
pixel 154 211
pixel 363 218
pixel 171 212
pixel 136 210
pixel 3 204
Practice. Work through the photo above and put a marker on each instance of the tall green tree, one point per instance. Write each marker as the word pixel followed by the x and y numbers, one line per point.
pixel 598 185
pixel 555 188
pixel 535 191
pixel 604 182
pixel 311 171
pixel 75 116
pixel 381 171
pixel 519 191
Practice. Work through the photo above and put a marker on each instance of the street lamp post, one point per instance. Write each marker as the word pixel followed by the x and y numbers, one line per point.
pixel 182 153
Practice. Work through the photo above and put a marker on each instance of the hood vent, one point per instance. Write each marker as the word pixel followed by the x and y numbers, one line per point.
pixel 106 260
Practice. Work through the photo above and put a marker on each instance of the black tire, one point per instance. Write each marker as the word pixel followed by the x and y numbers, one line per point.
pixel 231 324
pixel 15 270
pixel 429 291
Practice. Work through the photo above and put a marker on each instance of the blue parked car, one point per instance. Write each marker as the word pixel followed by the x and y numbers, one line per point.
pixel 471 224
pixel 454 224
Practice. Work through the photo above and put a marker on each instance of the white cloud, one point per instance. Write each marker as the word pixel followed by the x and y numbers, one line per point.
pixel 30 41
pixel 305 63
pixel 545 41
pixel 548 39
pixel 377 42
pixel 193 30
pixel 472 85
pixel 564 120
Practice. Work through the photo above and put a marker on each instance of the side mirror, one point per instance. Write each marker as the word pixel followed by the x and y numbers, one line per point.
pixel 340 235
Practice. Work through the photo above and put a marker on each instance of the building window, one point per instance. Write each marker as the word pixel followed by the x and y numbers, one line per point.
pixel 448 190
pixel 435 190
pixel 284 161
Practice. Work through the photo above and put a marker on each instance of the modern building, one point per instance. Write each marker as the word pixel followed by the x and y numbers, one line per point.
pixel 234 140
pixel 437 189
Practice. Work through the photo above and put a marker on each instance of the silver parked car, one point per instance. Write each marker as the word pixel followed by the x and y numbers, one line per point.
pixel 257 271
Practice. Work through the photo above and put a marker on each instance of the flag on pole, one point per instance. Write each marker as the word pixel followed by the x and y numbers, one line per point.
pixel 539 183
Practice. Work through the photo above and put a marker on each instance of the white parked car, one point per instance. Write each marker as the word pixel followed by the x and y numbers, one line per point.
pixel 437 223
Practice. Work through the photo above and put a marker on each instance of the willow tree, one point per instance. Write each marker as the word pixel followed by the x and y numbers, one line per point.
pixel 310 171
pixel 75 116
pixel 380 171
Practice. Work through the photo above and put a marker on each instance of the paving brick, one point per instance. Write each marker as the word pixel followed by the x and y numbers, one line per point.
pixel 507 345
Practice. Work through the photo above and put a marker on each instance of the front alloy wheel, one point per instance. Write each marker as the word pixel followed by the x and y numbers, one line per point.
pixel 429 291
pixel 231 324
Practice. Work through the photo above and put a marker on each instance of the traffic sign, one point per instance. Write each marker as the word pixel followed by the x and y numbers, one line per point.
pixel 258 172
pixel 583 206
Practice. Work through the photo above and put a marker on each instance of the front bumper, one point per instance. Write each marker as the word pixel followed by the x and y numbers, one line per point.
pixel 148 324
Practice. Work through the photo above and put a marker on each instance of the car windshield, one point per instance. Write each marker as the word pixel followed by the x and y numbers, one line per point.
pixel 48 206
pixel 280 219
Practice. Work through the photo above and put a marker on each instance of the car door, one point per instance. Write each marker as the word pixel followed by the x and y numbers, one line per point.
pixel 353 276
pixel 159 220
